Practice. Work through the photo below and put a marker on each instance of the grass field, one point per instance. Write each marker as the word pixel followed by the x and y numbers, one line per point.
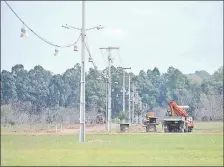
pixel 115 149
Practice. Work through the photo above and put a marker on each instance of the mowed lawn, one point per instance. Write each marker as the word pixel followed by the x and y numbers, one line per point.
pixel 115 149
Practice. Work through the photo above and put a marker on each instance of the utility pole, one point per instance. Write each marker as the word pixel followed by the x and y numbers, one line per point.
pixel 105 81
pixel 109 87
pixel 129 98
pixel 82 91
pixel 106 84
pixel 141 116
pixel 133 103
pixel 124 87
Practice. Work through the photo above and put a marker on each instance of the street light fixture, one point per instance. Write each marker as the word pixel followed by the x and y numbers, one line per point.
pixel 24 32
pixel 75 48
pixel 56 52
pixel 90 59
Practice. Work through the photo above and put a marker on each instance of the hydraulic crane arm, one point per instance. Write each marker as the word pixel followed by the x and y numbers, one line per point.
pixel 177 109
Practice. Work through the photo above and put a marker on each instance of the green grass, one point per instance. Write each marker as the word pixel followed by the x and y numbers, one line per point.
pixel 208 126
pixel 117 149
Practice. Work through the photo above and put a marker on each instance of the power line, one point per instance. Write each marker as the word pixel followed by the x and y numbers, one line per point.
pixel 87 47
pixel 90 56
pixel 94 65
pixel 46 41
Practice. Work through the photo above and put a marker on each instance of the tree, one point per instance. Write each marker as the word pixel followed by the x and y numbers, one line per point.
pixel 71 79
pixel 122 115
pixel 39 80
pixel 39 89
pixel 22 82
pixel 8 87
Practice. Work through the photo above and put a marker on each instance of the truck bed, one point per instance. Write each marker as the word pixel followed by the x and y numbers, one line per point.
pixel 176 118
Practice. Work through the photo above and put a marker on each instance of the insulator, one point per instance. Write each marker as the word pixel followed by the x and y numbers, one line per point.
pixel 75 48
pixel 99 27
pixel 24 32
pixel 90 59
pixel 56 52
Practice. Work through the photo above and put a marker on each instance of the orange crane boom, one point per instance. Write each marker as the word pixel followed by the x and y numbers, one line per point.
pixel 178 110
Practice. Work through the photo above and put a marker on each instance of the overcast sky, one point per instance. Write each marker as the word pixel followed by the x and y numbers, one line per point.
pixel 185 35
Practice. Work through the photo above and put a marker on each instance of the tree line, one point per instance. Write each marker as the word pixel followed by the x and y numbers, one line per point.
pixel 39 91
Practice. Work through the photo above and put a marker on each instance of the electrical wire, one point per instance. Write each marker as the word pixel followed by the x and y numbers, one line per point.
pixel 46 41
pixel 90 56
pixel 94 65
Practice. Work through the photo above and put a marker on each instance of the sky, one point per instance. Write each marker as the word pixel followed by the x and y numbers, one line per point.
pixel 187 35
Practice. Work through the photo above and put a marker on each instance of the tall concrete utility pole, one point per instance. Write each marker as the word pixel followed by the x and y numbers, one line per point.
pixel 109 87
pixel 129 98
pixel 105 80
pixel 124 87
pixel 123 90
pixel 106 100
pixel 133 102
pixel 82 91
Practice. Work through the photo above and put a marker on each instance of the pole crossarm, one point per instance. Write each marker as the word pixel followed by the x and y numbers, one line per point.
pixel 110 48
pixel 127 68
pixel 72 27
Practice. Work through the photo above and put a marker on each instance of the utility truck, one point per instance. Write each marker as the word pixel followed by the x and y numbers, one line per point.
pixel 177 119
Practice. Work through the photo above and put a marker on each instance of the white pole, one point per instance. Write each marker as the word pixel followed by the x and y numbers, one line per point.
pixel 106 85
pixel 109 87
pixel 123 90
pixel 133 103
pixel 109 92
pixel 82 91
pixel 129 97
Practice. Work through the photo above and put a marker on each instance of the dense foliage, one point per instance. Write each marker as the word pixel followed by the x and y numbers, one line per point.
pixel 41 89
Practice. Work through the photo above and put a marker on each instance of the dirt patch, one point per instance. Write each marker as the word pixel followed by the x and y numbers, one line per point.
pixel 95 141
pixel 94 129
